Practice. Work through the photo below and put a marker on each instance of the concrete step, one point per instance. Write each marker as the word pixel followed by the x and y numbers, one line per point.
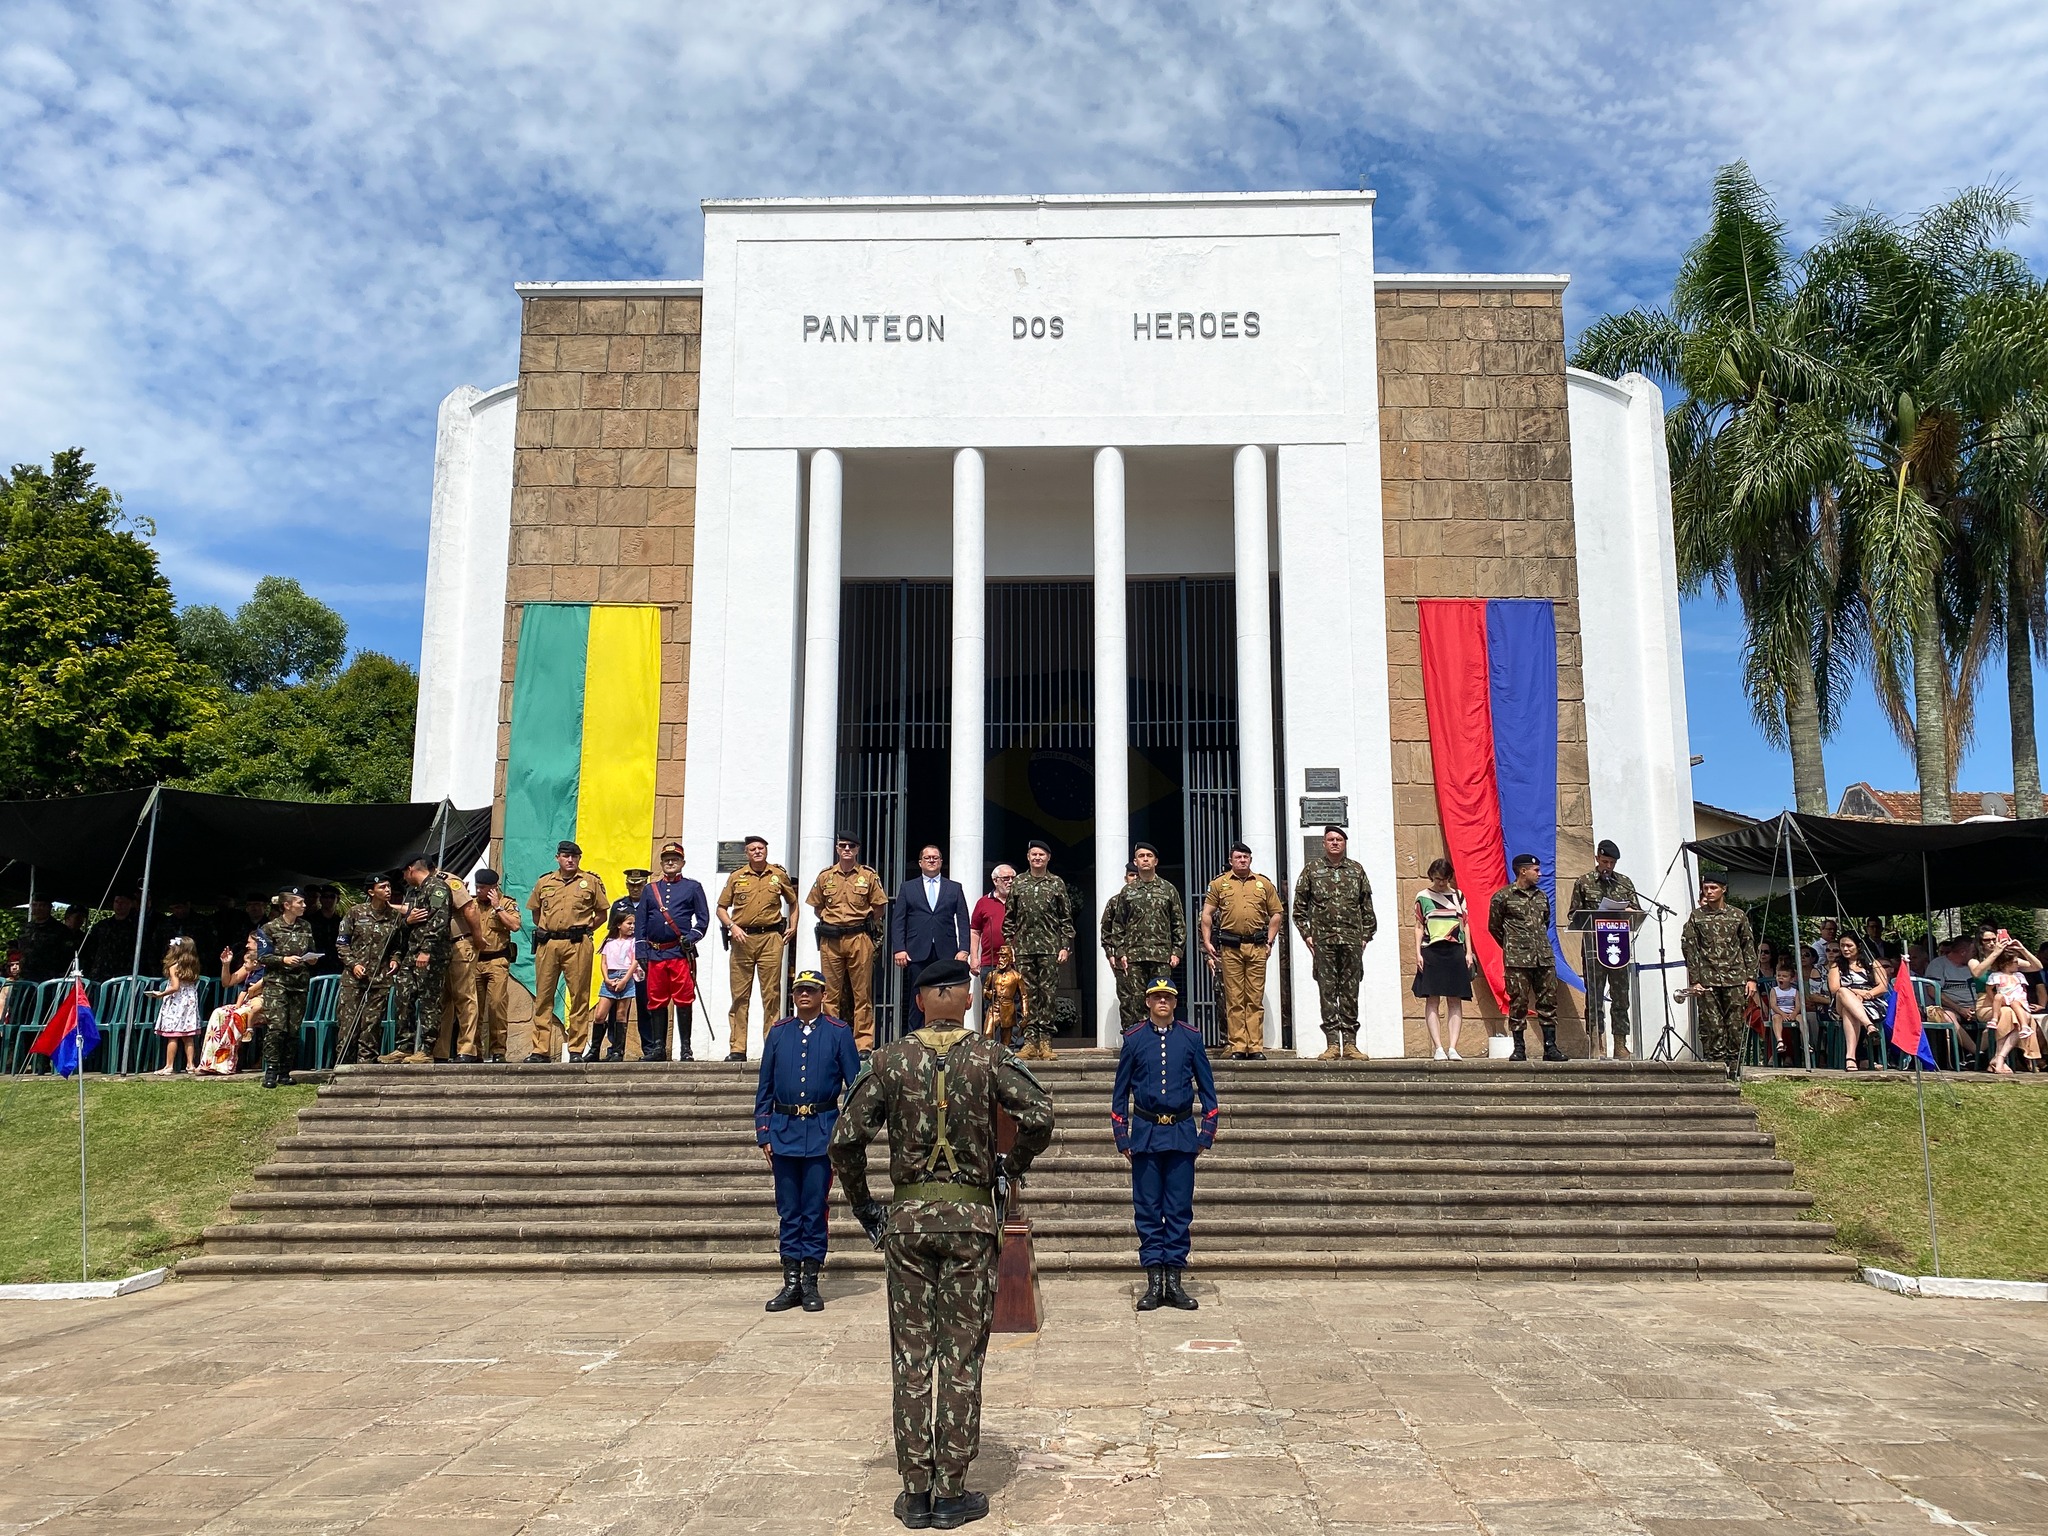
pixel 1115 1269
pixel 1220 1169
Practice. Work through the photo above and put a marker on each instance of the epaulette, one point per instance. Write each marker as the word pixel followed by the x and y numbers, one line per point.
pixel 1136 1027
pixel 1184 1024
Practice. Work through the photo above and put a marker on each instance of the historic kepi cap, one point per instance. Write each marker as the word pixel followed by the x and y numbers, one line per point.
pixel 807 979
pixel 671 847
pixel 567 846
pixel 1163 985
pixel 943 973
pixel 1607 850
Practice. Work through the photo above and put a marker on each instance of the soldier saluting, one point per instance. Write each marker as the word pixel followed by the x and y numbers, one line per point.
pixel 1144 931
pixel 937 1090
pixel 1334 915
pixel 1720 963
pixel 1038 928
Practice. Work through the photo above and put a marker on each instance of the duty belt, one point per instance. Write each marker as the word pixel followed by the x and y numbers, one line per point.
pixel 1231 940
pixel 840 930
pixel 492 954
pixel 762 928
pixel 1166 1117
pixel 572 935
pixel 973 1194
pixel 808 1107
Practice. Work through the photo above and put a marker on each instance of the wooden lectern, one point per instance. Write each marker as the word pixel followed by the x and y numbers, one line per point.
pixel 1017 1304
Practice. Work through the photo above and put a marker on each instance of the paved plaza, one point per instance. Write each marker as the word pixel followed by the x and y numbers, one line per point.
pixel 588 1405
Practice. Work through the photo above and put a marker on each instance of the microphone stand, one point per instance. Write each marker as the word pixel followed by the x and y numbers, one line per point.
pixel 1669 1042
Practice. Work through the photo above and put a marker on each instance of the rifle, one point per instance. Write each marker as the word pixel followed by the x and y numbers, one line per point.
pixel 350 1031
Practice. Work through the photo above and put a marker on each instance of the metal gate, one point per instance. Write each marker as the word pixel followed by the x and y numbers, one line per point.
pixel 1183 702
pixel 895 682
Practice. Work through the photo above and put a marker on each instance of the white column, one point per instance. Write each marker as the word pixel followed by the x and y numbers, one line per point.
pixel 1112 725
pixel 970 658
pixel 1255 687
pixel 820 751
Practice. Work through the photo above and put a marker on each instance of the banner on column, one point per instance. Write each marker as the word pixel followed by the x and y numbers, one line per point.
pixel 1489 684
pixel 586 723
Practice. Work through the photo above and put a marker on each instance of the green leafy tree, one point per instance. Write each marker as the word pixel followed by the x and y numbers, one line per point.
pixel 97 696
pixel 347 738
pixel 1759 444
pixel 280 635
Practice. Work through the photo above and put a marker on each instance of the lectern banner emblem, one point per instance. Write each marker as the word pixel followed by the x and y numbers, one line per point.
pixel 1613 942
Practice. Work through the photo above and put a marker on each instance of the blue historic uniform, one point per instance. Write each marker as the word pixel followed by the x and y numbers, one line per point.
pixel 671 917
pixel 1160 1075
pixel 804 1070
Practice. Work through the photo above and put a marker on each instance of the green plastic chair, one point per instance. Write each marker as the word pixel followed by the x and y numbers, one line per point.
pixel 316 1030
pixel 127 1016
pixel 28 1010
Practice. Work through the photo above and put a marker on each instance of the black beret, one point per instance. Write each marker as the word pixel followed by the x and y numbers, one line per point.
pixel 1039 842
pixel 1713 877
pixel 1243 848
pixel 1131 869
pixel 1607 850
pixel 848 837
pixel 566 846
pixel 754 837
pixel 384 879
pixel 943 973
pixel 1524 860
pixel 486 877
pixel 1137 848
pixel 1338 830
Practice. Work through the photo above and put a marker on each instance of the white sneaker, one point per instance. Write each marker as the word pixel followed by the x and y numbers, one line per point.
pixel 1454 1054
pixel 1439 1053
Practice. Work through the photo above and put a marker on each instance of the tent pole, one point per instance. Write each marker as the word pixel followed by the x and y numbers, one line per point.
pixel 1798 954
pixel 441 816
pixel 148 862
pixel 1926 1160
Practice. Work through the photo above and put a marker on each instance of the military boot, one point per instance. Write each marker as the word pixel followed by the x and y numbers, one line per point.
pixel 792 1291
pixel 914 1509
pixel 813 1302
pixel 1334 1050
pixel 1521 1050
pixel 1550 1050
pixel 1172 1294
pixel 1350 1047
pixel 951 1513
pixel 1155 1289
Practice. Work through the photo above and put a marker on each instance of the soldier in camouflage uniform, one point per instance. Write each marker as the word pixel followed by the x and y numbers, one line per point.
pixel 423 963
pixel 46 944
pixel 363 944
pixel 1606 991
pixel 1519 920
pixel 1039 929
pixel 1720 961
pixel 937 1090
pixel 1333 913
pixel 284 942
pixel 1144 931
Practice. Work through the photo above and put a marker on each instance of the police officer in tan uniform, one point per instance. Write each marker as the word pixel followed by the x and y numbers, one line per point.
pixel 1241 917
pixel 458 987
pixel 850 903
pixel 757 909
pixel 568 905
pixel 496 919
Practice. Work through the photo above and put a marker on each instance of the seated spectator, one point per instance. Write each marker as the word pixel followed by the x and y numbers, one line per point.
pixel 1961 985
pixel 2012 1014
pixel 1856 982
pixel 1766 966
pixel 1820 1004
pixel 10 979
pixel 1781 1009
pixel 1823 948
pixel 1878 944
pixel 235 1021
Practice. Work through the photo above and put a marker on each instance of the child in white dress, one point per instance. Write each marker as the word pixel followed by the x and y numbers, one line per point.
pixel 177 1021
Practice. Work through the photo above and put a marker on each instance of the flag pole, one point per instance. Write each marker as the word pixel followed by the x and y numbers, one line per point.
pixel 1926 1161
pixel 78 1071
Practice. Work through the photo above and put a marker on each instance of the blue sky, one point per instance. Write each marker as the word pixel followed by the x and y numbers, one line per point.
pixel 245 250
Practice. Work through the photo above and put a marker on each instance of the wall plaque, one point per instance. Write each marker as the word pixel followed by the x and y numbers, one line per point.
pixel 1322 781
pixel 1326 810
pixel 731 856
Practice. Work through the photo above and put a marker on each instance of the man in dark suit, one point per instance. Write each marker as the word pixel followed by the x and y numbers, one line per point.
pixel 927 922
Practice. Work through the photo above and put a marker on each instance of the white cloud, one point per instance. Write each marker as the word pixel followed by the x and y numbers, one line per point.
pixel 248 248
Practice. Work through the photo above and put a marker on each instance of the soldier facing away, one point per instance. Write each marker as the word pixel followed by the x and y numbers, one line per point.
pixel 1606 990
pixel 1241 917
pixel 1144 931
pixel 1039 931
pixel 1333 913
pixel 1720 963
pixel 498 920
pixel 1519 920
pixel 937 1091
pixel 423 963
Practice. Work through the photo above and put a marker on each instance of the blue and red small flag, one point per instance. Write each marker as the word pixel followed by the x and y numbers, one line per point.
pixel 71 1034
pixel 1903 1020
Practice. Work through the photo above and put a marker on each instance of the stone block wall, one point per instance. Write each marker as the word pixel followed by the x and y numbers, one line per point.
pixel 1476 468
pixel 604 486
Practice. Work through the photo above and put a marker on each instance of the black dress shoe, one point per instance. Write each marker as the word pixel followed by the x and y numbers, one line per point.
pixel 1254 1055
pixel 621 1056
pixel 465 1061
pixel 735 1055
pixel 538 1060
pixel 914 1510
pixel 494 1061
pixel 951 1514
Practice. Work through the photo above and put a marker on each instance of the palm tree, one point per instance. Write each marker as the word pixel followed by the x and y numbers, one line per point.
pixel 1759 447
pixel 1916 310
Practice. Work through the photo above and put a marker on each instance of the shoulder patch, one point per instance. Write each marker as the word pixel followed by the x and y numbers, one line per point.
pixel 1012 1059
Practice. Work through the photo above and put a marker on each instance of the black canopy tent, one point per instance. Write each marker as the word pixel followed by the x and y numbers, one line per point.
pixel 202 846
pixel 1885 867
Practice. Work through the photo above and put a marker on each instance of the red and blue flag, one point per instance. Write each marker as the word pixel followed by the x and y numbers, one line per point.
pixel 1904 1023
pixel 1489 684
pixel 71 1034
